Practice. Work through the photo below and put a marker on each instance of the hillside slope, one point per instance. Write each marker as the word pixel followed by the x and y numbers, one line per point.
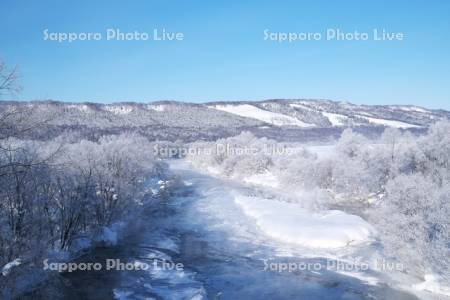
pixel 170 120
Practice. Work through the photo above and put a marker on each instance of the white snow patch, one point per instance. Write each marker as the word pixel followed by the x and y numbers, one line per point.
pixel 213 170
pixel 187 182
pixel 370 280
pixel 335 119
pixel 250 111
pixel 157 107
pixel 432 284
pixel 118 109
pixel 389 123
pixel 155 254
pixel 7 268
pixel 180 284
pixel 414 108
pixel 80 107
pixel 290 223
pixel 265 179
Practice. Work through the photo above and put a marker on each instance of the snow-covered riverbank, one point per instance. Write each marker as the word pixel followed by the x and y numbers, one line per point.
pixel 285 231
pixel 290 223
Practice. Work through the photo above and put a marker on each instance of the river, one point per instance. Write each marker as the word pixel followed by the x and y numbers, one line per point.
pixel 222 254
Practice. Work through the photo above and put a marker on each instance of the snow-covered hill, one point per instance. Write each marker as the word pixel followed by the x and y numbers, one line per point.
pixel 170 120
pixel 325 113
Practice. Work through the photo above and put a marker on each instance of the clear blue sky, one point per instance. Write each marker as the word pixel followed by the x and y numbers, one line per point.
pixel 223 55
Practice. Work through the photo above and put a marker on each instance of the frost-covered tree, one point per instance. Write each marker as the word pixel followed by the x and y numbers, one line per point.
pixel 408 175
pixel 350 143
pixel 52 193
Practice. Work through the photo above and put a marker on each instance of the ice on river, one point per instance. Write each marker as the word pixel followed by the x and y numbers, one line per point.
pixel 288 222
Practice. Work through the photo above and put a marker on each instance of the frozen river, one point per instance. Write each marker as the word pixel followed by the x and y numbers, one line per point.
pixel 201 244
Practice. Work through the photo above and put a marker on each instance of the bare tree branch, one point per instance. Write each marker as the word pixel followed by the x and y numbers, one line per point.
pixel 9 80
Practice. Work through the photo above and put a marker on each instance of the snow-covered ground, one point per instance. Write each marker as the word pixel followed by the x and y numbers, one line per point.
pixel 335 119
pixel 266 178
pixel 250 111
pixel 388 123
pixel 290 223
pixel 432 284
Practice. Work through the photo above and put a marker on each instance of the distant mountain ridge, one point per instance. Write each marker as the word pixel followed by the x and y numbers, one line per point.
pixel 224 118
pixel 327 113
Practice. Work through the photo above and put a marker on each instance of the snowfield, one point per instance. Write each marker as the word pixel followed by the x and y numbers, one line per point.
pixel 431 284
pixel 389 123
pixel 335 119
pixel 250 111
pixel 288 222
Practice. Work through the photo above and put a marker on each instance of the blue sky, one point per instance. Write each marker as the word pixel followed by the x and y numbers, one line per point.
pixel 224 55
